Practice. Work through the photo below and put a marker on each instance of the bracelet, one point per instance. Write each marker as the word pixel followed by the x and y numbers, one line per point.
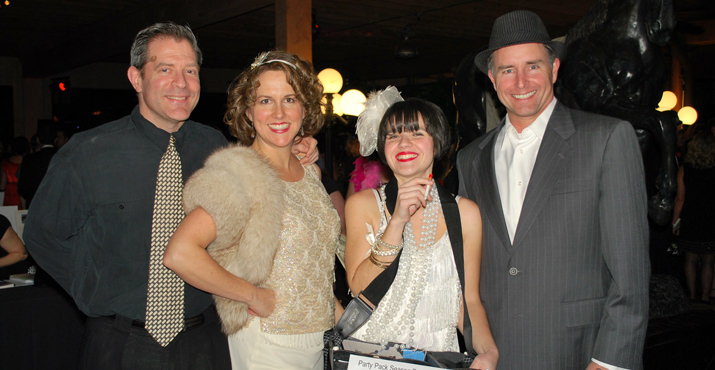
pixel 383 253
pixel 388 246
pixel 382 249
pixel 378 263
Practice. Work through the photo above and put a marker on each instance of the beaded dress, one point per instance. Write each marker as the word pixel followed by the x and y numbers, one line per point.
pixel 421 308
pixel 302 278
pixel 303 268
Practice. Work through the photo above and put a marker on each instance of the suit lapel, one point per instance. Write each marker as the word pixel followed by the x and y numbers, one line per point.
pixel 553 151
pixel 486 177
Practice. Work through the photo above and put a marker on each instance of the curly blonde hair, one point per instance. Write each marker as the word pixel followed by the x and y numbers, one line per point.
pixel 701 148
pixel 300 76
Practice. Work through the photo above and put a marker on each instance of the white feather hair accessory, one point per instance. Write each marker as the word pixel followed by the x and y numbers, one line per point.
pixel 369 120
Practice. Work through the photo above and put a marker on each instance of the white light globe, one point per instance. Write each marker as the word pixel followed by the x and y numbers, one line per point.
pixel 331 79
pixel 688 115
pixel 353 102
pixel 667 101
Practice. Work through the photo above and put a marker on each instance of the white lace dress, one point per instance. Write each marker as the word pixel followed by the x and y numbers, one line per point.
pixel 426 284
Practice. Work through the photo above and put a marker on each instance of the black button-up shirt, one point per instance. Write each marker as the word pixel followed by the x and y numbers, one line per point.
pixel 89 225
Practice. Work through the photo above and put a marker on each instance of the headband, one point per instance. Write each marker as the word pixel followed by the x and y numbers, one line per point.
pixel 261 60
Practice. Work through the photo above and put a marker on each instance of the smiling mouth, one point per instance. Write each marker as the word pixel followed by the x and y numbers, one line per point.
pixel 176 98
pixel 524 96
pixel 280 126
pixel 402 157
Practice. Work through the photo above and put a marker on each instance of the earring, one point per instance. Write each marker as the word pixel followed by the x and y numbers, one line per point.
pixel 253 129
pixel 301 131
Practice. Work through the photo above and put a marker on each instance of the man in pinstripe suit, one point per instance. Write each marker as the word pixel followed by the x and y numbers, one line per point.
pixel 565 267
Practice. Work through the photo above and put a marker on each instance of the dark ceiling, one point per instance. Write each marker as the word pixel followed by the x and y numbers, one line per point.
pixel 356 37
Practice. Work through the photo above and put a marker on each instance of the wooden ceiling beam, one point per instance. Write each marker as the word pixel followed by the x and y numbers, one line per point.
pixel 294 27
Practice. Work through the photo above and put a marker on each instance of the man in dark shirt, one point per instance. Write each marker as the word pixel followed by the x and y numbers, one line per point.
pixel 34 165
pixel 91 221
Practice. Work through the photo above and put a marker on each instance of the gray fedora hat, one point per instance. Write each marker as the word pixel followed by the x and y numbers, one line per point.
pixel 517 27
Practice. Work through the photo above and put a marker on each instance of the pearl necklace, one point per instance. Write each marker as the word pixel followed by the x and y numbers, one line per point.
pixel 392 317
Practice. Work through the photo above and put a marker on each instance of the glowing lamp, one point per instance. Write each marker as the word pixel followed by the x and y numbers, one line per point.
pixel 667 102
pixel 688 115
pixel 353 102
pixel 332 81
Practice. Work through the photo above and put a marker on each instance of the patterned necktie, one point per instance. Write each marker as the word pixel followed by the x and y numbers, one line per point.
pixel 165 297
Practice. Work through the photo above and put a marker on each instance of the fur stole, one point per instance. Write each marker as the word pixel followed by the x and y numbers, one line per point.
pixel 244 196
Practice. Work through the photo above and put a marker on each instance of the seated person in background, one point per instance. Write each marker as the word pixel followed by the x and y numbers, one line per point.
pixel 10 243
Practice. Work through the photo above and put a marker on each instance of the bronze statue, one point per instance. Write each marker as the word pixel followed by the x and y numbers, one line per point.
pixel 469 91
pixel 615 66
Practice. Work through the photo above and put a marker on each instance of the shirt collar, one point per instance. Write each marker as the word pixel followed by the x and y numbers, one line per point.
pixel 159 137
pixel 538 127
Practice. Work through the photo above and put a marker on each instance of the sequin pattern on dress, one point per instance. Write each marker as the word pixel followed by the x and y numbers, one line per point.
pixel 303 268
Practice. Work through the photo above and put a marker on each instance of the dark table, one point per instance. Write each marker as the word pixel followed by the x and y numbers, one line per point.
pixel 40 328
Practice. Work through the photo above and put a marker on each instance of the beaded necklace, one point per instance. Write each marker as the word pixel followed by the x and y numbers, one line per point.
pixel 394 316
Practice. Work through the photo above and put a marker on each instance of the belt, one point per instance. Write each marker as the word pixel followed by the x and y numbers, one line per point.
pixel 189 322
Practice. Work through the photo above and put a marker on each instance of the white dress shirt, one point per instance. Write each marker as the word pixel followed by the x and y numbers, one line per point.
pixel 514 158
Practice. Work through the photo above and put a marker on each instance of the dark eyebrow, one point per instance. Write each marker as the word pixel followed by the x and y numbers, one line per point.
pixel 501 68
pixel 164 64
pixel 530 62
pixel 160 65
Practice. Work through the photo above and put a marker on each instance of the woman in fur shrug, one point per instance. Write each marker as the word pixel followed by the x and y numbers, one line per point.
pixel 260 232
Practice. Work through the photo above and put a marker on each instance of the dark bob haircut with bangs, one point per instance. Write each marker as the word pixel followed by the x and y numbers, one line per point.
pixel 404 117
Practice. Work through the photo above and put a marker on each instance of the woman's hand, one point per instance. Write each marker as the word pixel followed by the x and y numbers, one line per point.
pixel 411 197
pixel 263 303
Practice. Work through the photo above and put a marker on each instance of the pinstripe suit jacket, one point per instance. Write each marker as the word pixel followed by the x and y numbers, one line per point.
pixel 574 283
